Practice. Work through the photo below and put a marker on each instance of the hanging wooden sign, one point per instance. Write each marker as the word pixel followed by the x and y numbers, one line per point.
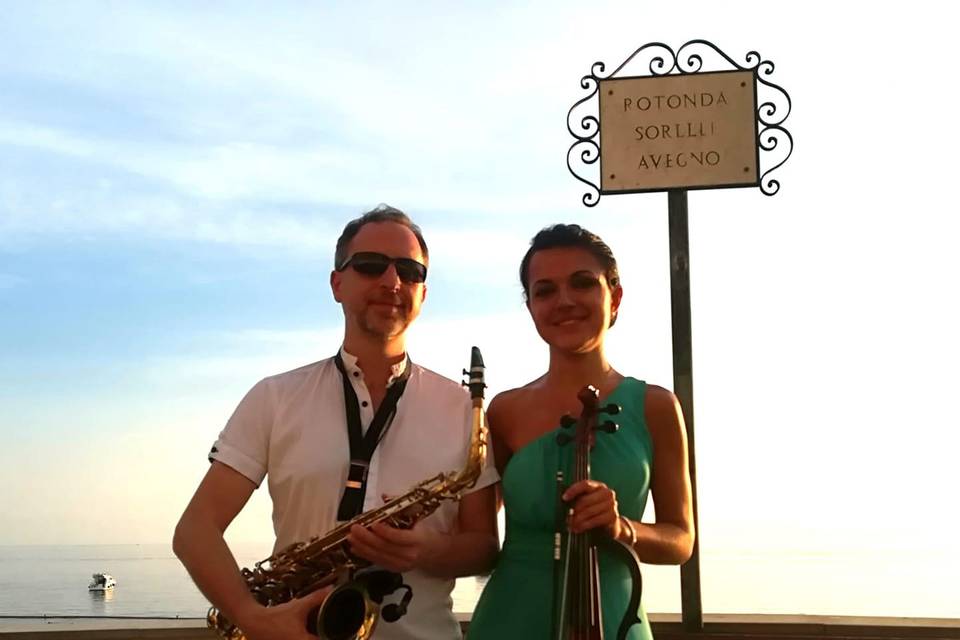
pixel 680 131
pixel 681 126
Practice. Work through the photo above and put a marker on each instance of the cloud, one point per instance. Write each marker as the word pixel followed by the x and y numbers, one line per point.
pixel 9 281
pixel 24 134
pixel 240 358
pixel 234 127
pixel 440 342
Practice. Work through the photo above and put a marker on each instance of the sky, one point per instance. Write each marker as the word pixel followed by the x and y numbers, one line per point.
pixel 173 177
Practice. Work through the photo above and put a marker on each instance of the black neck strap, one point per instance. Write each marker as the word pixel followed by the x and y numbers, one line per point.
pixel 362 445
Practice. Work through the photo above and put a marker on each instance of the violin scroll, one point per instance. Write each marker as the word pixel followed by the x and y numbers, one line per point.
pixel 589 425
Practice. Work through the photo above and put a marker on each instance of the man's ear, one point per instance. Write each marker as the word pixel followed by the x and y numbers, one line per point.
pixel 423 296
pixel 335 285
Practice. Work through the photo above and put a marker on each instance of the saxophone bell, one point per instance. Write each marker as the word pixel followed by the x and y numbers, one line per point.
pixel 351 610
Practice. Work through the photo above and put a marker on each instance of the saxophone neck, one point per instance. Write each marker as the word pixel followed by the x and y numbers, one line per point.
pixel 477 454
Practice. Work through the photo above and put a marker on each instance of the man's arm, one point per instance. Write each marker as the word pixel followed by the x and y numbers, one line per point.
pixel 198 539
pixel 470 551
pixel 198 542
pixel 473 549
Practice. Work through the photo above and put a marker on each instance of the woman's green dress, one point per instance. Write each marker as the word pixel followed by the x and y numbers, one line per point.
pixel 518 599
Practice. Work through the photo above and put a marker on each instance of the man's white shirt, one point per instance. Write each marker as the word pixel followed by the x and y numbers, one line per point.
pixel 291 428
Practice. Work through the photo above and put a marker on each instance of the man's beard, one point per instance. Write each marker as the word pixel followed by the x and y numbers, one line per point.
pixel 376 322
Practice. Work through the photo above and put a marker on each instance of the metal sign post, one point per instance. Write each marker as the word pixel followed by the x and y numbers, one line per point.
pixel 691 606
pixel 678 128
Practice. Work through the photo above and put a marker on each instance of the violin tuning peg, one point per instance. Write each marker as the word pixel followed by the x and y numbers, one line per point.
pixel 567 421
pixel 610 426
pixel 564 438
pixel 611 409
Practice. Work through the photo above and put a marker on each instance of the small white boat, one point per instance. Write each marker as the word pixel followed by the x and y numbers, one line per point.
pixel 102 582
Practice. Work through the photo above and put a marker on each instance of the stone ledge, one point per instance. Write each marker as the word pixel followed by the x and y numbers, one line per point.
pixel 806 627
pixel 665 627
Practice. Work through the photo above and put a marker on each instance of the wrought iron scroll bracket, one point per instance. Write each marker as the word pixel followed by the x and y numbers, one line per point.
pixel 773 107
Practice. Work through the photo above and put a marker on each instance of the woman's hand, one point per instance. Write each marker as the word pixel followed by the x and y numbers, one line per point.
pixel 594 506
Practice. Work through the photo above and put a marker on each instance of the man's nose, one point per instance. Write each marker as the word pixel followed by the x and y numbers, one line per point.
pixel 390 278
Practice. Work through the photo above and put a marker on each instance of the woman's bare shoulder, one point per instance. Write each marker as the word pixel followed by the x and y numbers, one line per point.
pixel 659 396
pixel 504 413
pixel 508 402
pixel 662 409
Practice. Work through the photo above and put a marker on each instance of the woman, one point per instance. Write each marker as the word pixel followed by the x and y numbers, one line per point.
pixel 573 293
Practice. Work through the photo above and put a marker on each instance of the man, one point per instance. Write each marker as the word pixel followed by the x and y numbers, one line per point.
pixel 293 429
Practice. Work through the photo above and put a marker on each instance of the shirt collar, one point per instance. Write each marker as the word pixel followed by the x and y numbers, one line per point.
pixel 396 370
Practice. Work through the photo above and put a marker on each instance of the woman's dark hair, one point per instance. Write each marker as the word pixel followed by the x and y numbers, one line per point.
pixel 569 235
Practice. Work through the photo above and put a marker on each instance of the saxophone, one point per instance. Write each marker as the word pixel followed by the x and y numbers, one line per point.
pixel 352 610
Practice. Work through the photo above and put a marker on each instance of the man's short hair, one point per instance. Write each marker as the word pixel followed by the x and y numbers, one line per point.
pixel 382 213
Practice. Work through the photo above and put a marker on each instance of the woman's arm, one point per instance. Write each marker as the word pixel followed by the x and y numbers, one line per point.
pixel 497 419
pixel 670 539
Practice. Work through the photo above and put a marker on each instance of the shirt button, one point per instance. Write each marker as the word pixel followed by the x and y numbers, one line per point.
pixel 356 374
pixel 364 403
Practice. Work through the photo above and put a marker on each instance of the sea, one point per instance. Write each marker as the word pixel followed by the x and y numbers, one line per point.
pixel 51 581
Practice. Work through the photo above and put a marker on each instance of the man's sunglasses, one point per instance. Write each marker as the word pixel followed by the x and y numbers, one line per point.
pixel 370 263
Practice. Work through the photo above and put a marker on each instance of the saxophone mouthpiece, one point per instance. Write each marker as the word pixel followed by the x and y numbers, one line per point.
pixel 475 375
